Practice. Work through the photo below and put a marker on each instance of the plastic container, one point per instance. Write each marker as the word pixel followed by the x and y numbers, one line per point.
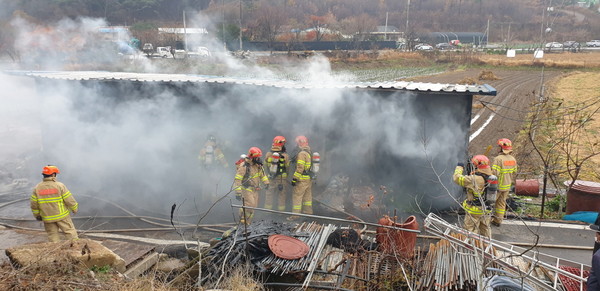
pixel 394 241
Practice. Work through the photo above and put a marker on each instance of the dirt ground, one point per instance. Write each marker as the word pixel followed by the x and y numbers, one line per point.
pixel 500 116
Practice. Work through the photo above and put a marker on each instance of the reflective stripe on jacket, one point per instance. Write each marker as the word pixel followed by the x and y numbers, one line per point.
pixel 303 164
pixel 475 186
pixel 52 200
pixel 505 168
pixel 256 174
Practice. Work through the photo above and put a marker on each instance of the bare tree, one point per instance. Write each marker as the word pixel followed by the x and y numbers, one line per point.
pixel 268 21
pixel 558 133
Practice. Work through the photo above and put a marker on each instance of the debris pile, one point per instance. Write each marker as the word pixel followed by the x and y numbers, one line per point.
pixel 463 259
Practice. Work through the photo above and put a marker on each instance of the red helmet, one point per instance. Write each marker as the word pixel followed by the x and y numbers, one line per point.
pixel 302 141
pixel 49 170
pixel 505 143
pixel 254 152
pixel 481 162
pixel 278 141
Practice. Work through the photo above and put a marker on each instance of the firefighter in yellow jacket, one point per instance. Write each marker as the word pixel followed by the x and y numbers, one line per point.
pixel 277 163
pixel 505 168
pixel 248 177
pixel 51 203
pixel 477 216
pixel 302 193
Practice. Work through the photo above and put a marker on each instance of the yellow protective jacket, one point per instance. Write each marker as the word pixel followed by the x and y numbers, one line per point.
pixel 475 186
pixel 505 168
pixel 52 200
pixel 303 164
pixel 218 156
pixel 283 164
pixel 248 176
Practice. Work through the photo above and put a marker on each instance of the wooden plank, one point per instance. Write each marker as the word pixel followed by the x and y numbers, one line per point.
pixel 142 266
pixel 128 251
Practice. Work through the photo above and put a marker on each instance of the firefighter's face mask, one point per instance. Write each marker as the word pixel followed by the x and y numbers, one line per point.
pixel 257 160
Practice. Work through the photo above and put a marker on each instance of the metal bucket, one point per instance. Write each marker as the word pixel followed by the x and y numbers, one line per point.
pixel 527 188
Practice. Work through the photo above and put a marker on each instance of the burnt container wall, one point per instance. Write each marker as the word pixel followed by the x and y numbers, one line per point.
pixel 143 137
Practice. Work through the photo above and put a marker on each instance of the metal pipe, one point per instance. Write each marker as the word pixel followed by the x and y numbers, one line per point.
pixel 325 218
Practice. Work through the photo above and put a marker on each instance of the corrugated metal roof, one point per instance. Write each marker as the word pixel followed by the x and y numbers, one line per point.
pixel 148 77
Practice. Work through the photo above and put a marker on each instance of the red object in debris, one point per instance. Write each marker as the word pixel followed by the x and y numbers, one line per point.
pixel 287 247
pixel 527 188
pixel 397 241
pixel 571 284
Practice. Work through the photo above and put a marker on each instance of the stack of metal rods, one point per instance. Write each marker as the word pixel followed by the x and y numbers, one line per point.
pixel 311 234
pixel 451 267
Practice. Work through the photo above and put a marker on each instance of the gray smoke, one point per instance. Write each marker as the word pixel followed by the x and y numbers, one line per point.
pixel 136 144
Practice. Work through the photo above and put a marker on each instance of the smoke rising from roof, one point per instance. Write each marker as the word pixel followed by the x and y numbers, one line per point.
pixel 137 143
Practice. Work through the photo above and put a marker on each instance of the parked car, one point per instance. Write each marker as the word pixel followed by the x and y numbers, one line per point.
pixel 423 47
pixel 444 46
pixel 164 52
pixel 571 44
pixel 554 44
pixel 594 43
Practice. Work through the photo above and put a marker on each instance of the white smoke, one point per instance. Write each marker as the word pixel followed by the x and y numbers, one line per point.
pixel 136 144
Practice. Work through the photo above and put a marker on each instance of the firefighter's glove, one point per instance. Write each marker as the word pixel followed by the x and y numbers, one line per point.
pixel 294 182
pixel 74 211
pixel 39 218
pixel 267 187
pixel 238 196
pixel 460 165
pixel 280 187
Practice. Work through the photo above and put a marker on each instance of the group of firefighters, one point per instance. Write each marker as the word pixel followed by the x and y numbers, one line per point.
pixel 51 201
pixel 479 210
pixel 251 173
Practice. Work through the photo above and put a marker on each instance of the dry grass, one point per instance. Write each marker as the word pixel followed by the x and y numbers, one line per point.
pixel 487 76
pixel 564 60
pixel 468 80
pixel 582 88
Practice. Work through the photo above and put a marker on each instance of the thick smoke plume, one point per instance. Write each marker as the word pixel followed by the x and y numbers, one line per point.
pixel 137 144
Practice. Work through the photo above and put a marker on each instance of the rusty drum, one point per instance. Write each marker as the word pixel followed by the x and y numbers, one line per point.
pixel 527 187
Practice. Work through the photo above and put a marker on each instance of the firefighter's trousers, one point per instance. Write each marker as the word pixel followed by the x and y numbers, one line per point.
pixel 67 227
pixel 278 188
pixel 500 207
pixel 478 223
pixel 302 197
pixel 250 200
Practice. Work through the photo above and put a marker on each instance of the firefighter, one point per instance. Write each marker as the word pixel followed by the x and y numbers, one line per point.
pixel 211 154
pixel 277 163
pixel 247 181
pixel 51 203
pixel 213 166
pixel 301 181
pixel 505 168
pixel 477 218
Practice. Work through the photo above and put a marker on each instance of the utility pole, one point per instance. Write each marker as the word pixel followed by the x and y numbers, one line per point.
pixel 241 48
pixel 407 13
pixel 223 22
pixel 185 46
pixel 386 22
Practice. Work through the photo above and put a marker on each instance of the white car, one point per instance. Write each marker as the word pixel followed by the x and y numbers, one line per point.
pixel 423 47
pixel 552 45
pixel 594 43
